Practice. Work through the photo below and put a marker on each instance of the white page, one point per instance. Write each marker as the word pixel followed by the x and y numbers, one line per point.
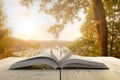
pixel 66 53
pixel 55 52
pixel 61 53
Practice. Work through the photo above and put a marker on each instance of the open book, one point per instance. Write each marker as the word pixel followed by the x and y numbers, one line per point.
pixel 60 58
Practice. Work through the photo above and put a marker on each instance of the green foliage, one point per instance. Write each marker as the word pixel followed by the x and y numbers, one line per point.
pixel 56 29
pixel 88 29
pixel 84 47
pixel 113 22
pixel 87 45
pixel 64 11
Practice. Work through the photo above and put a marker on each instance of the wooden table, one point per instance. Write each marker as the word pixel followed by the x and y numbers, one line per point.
pixel 113 73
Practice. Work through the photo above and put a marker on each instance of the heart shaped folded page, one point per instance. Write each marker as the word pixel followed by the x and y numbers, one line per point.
pixel 61 53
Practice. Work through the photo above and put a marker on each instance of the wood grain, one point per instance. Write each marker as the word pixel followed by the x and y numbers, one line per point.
pixel 35 74
pixel 113 73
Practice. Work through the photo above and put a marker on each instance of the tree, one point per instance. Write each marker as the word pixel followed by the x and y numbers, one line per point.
pixel 113 21
pixel 66 11
pixel 5 40
pixel 101 27
pixel 88 30
pixel 56 29
pixel 84 46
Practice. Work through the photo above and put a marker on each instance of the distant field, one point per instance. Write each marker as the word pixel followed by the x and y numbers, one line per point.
pixel 49 44
pixel 32 48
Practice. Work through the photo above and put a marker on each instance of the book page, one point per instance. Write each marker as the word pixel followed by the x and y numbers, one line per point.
pixel 40 60
pixel 44 58
pixel 66 53
pixel 61 53
pixel 55 52
pixel 76 61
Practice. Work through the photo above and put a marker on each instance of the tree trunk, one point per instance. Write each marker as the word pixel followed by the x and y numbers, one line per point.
pixel 101 27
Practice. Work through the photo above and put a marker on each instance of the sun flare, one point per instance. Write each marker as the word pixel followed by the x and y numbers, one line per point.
pixel 30 24
pixel 25 30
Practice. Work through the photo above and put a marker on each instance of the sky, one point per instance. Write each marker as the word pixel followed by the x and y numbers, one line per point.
pixel 30 24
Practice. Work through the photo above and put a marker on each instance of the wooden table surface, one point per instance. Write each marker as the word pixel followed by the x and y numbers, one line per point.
pixel 113 73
